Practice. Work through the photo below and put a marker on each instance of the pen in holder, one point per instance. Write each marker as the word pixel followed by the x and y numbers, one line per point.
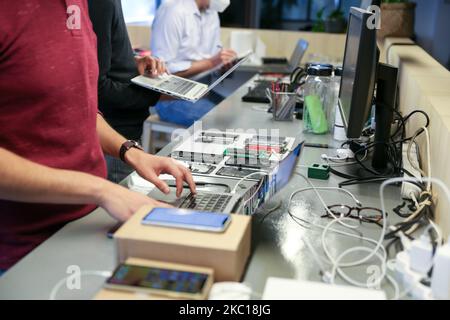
pixel 282 104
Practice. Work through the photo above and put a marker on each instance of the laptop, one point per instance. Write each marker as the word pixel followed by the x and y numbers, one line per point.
pixel 182 88
pixel 227 202
pixel 274 65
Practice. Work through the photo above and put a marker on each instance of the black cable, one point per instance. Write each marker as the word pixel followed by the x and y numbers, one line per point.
pixel 363 181
pixel 389 245
pixel 394 152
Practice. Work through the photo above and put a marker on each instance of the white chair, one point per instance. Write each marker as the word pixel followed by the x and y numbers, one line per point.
pixel 157 134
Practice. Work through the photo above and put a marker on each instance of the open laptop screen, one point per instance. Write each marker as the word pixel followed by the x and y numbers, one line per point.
pixel 286 168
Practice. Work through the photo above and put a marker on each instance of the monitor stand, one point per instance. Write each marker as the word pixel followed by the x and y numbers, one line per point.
pixel 355 174
pixel 384 113
pixel 384 116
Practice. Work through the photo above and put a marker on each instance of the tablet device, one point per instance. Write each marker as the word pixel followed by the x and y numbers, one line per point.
pixel 188 219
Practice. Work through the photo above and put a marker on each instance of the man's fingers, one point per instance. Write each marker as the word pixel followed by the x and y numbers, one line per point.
pixel 178 175
pixel 229 53
pixel 189 179
pixel 160 184
pixel 153 66
pixel 162 67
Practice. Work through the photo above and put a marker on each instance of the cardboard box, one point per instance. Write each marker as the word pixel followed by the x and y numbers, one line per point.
pixel 226 253
pixel 113 294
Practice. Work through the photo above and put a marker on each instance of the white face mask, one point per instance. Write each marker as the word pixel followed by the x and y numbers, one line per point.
pixel 219 5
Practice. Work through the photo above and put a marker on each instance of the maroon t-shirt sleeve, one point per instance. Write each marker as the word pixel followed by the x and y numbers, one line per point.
pixel 48 109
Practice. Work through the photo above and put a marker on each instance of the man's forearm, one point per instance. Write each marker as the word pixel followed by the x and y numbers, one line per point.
pixel 26 181
pixel 196 68
pixel 110 139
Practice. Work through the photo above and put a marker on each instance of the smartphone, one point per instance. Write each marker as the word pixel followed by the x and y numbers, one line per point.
pixel 187 219
pixel 166 282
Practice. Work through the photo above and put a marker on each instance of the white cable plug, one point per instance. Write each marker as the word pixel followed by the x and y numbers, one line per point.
pixel 263 173
pixel 421 255
pixel 60 283
pixel 440 282
pixel 342 155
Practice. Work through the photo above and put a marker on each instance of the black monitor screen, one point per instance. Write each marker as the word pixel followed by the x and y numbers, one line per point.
pixel 350 62
pixel 358 72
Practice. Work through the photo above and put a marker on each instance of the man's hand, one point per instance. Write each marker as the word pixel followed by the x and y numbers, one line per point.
pixel 151 66
pixel 122 203
pixel 150 167
pixel 225 56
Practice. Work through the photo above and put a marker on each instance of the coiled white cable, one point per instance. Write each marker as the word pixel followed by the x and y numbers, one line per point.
pixel 60 283
pixel 263 173
pixel 337 265
pixel 322 201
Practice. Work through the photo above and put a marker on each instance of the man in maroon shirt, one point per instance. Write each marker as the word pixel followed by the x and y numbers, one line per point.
pixel 52 138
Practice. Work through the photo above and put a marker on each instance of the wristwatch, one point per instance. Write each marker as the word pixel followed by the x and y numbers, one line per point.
pixel 127 145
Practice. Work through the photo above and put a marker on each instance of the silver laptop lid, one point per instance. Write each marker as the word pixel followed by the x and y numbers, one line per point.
pixel 297 55
pixel 237 64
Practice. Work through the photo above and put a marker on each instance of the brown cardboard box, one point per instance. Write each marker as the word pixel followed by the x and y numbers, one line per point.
pixel 112 294
pixel 226 253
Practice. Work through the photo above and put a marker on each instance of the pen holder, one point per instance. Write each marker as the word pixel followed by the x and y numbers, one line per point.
pixel 282 104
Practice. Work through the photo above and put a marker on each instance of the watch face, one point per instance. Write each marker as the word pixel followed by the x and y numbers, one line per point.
pixel 130 144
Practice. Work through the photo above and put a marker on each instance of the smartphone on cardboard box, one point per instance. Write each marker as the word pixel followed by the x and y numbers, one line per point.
pixel 160 281
pixel 188 219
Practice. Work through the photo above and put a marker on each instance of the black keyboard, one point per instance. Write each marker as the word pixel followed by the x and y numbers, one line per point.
pixel 177 85
pixel 206 202
pixel 258 93
pixel 271 60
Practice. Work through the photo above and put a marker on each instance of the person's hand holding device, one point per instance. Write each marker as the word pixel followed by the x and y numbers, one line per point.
pixel 150 167
pixel 151 66
pixel 224 57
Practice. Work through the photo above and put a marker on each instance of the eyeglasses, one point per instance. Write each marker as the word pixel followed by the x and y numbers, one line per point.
pixel 363 214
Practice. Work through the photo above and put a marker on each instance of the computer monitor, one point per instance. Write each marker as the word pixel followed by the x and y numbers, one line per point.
pixel 361 74
pixel 358 73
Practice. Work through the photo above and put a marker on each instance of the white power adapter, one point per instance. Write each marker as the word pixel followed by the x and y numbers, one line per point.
pixel 345 153
pixel 421 255
pixel 440 282
pixel 410 279
pixel 341 155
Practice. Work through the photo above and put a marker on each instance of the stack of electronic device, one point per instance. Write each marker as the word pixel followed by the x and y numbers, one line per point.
pixel 236 158
pixel 200 240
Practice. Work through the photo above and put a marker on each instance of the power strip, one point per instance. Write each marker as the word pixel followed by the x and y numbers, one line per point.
pixel 409 188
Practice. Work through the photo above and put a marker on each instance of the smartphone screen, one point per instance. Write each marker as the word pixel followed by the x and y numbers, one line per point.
pixel 158 279
pixel 190 219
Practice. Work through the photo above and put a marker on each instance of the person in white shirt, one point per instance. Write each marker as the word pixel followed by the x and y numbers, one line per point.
pixel 186 35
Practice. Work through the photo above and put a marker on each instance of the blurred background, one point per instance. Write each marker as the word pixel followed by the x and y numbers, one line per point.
pixel 431 27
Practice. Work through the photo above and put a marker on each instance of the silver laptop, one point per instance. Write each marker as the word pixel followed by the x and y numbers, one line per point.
pixel 225 202
pixel 184 88
pixel 294 62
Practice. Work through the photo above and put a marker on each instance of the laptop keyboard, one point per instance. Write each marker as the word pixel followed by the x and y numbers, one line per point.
pixel 206 202
pixel 176 85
